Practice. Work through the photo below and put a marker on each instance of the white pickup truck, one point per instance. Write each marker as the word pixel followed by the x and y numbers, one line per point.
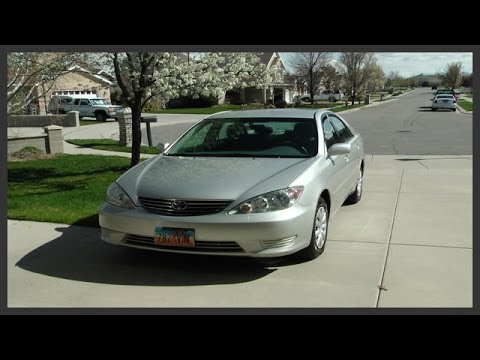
pixel 95 107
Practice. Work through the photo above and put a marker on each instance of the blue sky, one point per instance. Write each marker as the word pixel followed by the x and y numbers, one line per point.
pixel 414 63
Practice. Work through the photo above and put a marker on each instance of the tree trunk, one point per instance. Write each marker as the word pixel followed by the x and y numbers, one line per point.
pixel 136 134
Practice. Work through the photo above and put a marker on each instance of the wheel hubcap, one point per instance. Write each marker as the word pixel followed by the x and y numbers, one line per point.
pixel 320 227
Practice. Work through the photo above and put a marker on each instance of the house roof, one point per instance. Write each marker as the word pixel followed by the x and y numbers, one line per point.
pixel 96 74
pixel 268 57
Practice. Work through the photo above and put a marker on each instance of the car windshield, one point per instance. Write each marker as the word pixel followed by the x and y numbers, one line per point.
pixel 249 137
pixel 99 102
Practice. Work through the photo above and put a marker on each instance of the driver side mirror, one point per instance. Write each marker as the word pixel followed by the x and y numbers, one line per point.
pixel 162 147
pixel 340 149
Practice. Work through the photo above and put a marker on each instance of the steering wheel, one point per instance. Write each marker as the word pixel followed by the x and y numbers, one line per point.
pixel 297 146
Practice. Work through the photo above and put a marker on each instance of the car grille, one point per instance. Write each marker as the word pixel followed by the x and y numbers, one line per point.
pixel 207 246
pixel 190 207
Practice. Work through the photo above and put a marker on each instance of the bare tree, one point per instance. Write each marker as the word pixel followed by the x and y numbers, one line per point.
pixel 308 66
pixel 31 75
pixel 452 77
pixel 356 70
pixel 394 79
pixel 331 77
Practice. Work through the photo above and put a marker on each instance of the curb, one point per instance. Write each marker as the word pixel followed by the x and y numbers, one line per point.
pixel 463 111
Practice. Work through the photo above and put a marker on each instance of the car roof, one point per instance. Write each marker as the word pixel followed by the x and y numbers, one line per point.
pixel 268 113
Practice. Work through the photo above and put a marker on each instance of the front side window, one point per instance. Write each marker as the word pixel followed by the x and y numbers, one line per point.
pixel 329 133
pixel 344 133
pixel 249 137
pixel 84 102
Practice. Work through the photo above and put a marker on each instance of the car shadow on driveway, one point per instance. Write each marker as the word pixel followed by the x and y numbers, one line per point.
pixel 79 254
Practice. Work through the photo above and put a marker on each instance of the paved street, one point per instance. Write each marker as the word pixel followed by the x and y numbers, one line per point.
pixel 407 125
pixel 404 125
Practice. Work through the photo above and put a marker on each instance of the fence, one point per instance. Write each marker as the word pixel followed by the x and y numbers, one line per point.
pixel 50 141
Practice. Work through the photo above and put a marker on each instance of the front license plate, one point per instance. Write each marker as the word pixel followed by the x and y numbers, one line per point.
pixel 174 237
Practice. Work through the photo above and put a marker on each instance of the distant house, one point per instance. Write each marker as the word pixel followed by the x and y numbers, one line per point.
pixel 81 79
pixel 281 89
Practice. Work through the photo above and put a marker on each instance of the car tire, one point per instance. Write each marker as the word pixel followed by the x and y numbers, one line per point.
pixel 307 99
pixel 356 196
pixel 318 239
pixel 332 99
pixel 100 116
pixel 433 109
pixel 454 109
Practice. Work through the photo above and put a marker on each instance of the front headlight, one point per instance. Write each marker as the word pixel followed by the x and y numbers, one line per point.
pixel 272 201
pixel 118 197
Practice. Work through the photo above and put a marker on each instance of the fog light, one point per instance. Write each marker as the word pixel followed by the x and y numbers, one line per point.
pixel 246 208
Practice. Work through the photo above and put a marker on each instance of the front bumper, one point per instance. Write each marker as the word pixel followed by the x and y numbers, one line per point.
pixel 271 234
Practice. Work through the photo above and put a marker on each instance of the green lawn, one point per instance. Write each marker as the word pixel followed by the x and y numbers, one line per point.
pixel 343 108
pixel 111 145
pixel 64 189
pixel 89 122
pixel 467 105
pixel 208 110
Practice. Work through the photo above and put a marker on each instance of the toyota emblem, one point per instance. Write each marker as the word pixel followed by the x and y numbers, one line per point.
pixel 179 205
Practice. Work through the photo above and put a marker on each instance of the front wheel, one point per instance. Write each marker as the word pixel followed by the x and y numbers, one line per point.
pixel 100 116
pixel 319 232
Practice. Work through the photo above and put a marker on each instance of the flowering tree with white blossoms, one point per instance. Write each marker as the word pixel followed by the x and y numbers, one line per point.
pixel 142 76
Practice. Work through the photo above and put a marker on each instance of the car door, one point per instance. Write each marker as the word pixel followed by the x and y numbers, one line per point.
pixel 354 159
pixel 339 171
pixel 85 108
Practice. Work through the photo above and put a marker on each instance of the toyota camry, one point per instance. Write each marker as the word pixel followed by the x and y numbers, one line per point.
pixel 259 183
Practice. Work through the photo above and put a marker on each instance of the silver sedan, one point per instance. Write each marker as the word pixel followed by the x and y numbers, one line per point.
pixel 444 101
pixel 259 183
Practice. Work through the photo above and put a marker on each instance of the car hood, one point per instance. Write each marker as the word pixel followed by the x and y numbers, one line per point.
pixel 171 177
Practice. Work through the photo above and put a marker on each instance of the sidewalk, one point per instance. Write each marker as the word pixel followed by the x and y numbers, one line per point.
pixel 408 243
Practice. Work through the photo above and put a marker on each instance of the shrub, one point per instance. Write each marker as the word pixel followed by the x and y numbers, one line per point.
pixel 28 153
pixel 190 102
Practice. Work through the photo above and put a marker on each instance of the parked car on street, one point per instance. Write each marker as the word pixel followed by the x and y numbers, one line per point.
pixel 330 95
pixel 444 101
pixel 258 183
pixel 447 91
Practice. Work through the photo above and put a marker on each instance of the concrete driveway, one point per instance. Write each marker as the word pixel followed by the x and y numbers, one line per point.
pixel 408 243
